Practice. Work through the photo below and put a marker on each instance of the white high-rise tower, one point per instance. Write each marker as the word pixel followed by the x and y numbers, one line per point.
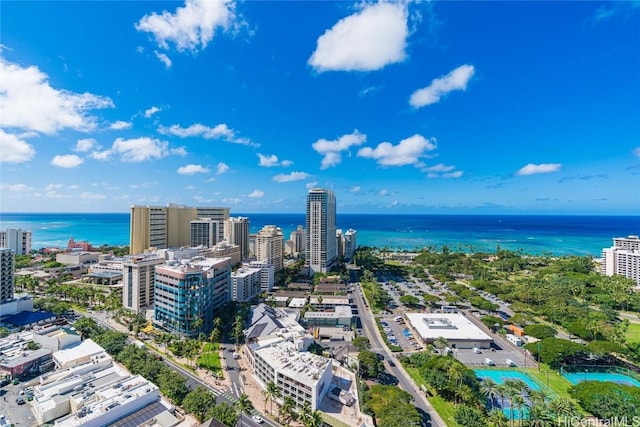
pixel 321 230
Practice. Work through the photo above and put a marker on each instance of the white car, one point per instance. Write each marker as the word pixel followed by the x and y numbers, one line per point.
pixel 258 419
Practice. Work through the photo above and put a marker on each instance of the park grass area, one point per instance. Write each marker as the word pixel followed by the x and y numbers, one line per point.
pixel 444 408
pixel 558 384
pixel 210 357
pixel 633 333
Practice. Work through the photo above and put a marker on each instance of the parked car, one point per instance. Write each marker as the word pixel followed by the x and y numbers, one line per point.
pixel 258 419
pixel 20 400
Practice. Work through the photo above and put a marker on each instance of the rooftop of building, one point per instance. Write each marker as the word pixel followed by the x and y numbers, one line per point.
pixel 297 302
pixel 83 349
pixel 304 367
pixel 339 312
pixel 329 300
pixel 451 326
pixel 25 318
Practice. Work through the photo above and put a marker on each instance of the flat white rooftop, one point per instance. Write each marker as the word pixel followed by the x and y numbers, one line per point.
pixel 306 368
pixel 455 327
pixel 297 302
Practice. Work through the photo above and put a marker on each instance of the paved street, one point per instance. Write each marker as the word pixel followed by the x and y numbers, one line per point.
pixel 377 345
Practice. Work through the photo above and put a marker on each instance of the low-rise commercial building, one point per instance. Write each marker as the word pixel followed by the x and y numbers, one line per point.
pixel 16 359
pixel 459 331
pixel 340 316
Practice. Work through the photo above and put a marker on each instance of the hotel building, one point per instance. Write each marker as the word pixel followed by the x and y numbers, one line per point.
pixel 6 275
pixel 17 240
pixel 350 244
pixel 297 241
pixel 206 232
pixel 163 227
pixel 321 251
pixel 189 290
pixel 138 276
pixel 269 246
pixel 245 284
pixel 236 231
pixel 623 258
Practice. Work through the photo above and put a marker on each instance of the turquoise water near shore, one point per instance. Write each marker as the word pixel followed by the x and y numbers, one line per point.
pixel 535 234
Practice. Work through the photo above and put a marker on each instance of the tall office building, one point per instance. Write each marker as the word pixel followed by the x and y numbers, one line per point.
pixel 189 291
pixel 17 240
pixel 236 231
pixel 623 258
pixel 206 232
pixel 169 226
pixel 6 275
pixel 321 230
pixel 138 275
pixel 270 246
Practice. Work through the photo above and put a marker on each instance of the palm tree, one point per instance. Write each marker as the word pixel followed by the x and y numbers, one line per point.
pixel 539 416
pixel 497 418
pixel 519 402
pixel 243 405
pixel 538 397
pixel 563 407
pixel 287 408
pixel 305 413
pixel 463 393
pixel 271 393
pixel 489 389
pixel 315 419
pixel 440 343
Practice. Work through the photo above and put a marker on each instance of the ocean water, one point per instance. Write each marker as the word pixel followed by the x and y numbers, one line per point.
pixel 535 234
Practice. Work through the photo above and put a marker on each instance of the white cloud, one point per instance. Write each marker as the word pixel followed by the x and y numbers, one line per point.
pixel 139 149
pixel 455 80
pixel 73 187
pixel 440 167
pixel 220 131
pixel 232 200
pixel 191 27
pixel 532 169
pixel 192 169
pixel 383 192
pixel 293 176
pixel 331 149
pixel 28 102
pixel 85 144
pixel 101 155
pixel 120 125
pixel 151 111
pixel 14 149
pixel 312 184
pixel 163 58
pixel 257 193
pixel 355 189
pixel 16 188
pixel 456 174
pixel 68 161
pixel 53 187
pixel 221 168
pixel 365 41
pixel 179 151
pixel 272 160
pixel 212 179
pixel 636 152
pixel 407 152
pixel 92 196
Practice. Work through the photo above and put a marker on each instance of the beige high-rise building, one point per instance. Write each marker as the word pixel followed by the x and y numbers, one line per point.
pixel 163 227
pixel 138 281
pixel 270 246
pixel 236 231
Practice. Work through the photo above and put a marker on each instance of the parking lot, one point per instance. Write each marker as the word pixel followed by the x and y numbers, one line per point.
pixel 16 414
pixel 398 334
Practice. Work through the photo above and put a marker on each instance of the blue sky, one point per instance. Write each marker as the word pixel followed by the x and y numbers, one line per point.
pixel 421 107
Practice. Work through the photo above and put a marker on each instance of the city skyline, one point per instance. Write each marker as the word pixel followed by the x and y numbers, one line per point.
pixel 435 108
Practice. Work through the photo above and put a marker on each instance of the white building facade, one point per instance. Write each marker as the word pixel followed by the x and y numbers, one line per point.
pixel 270 246
pixel 623 258
pixel 321 250
pixel 245 284
pixel 17 240
pixel 138 275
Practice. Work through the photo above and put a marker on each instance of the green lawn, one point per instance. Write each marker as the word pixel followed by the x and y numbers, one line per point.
pixel 210 358
pixel 558 385
pixel 444 408
pixel 633 333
